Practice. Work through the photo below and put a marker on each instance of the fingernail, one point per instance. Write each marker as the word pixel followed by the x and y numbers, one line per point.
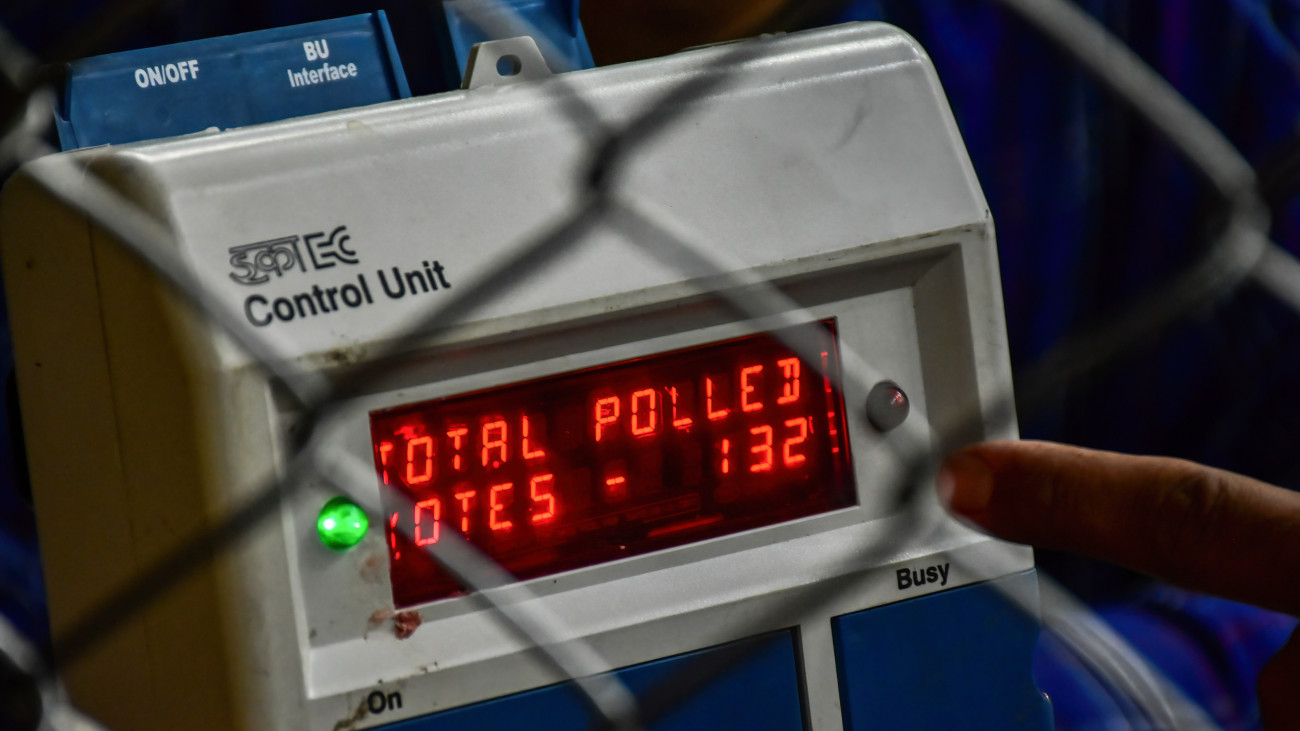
pixel 964 485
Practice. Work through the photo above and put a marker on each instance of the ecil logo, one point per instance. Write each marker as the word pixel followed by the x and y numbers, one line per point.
pixel 255 263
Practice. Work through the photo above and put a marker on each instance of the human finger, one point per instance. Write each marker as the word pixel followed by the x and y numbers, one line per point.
pixel 1202 528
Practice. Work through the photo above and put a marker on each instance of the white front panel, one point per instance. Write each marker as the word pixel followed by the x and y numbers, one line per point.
pixel 786 161
pixel 830 164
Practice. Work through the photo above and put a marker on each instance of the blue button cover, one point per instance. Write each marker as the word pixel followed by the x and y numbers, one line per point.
pixel 230 81
pixel 959 659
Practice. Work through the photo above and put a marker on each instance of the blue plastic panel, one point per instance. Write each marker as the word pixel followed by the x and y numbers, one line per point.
pixel 230 81
pixel 959 659
pixel 761 693
pixel 556 21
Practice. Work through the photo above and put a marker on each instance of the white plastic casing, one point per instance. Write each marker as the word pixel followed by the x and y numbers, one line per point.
pixel 829 163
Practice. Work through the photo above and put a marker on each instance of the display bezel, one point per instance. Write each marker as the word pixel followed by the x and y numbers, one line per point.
pixel 876 316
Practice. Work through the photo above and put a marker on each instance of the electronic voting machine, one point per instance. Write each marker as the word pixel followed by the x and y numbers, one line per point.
pixel 662 472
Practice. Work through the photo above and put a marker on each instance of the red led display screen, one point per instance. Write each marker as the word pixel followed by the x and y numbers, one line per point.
pixel 615 461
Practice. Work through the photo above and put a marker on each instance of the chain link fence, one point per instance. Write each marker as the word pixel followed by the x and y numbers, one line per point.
pixel 1241 252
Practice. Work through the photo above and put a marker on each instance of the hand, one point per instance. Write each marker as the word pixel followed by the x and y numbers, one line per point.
pixel 1202 528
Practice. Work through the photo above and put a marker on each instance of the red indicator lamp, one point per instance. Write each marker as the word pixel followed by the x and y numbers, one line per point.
pixel 615 461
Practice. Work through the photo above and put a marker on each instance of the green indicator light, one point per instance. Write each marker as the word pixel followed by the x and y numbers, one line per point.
pixel 341 524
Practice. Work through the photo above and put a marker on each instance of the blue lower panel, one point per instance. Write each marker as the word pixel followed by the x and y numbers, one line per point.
pixel 959 659
pixel 762 692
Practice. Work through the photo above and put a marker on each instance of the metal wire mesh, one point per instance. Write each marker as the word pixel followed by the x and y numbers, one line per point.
pixel 1241 251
